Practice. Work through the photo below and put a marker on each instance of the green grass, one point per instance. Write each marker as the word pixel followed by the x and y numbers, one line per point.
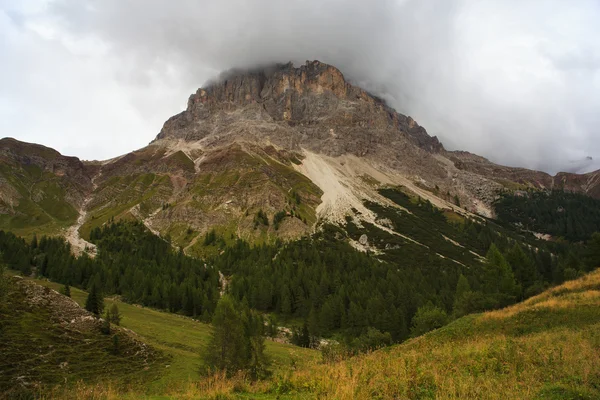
pixel 184 339
pixel 122 193
pixel 494 355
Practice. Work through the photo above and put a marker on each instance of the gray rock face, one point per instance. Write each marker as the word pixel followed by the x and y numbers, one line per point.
pixel 314 101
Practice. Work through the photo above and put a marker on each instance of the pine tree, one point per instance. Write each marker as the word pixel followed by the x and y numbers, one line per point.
pixel 66 290
pixel 95 300
pixel 115 315
pixel 313 327
pixel 462 290
pixel 499 281
pixel 105 328
pixel 227 347
pixel 523 267
pixel 286 302
pixel 257 362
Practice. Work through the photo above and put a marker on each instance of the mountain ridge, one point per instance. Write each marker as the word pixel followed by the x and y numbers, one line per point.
pixel 301 142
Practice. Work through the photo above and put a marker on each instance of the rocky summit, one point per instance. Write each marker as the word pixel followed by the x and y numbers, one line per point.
pixel 295 145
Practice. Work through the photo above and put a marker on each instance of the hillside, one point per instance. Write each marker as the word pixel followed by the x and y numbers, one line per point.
pixel 48 341
pixel 40 190
pixel 181 340
pixel 544 348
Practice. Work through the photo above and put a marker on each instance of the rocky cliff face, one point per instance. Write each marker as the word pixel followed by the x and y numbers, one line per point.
pixel 71 169
pixel 313 102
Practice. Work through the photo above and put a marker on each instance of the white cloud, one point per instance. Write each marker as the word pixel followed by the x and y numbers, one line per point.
pixel 516 81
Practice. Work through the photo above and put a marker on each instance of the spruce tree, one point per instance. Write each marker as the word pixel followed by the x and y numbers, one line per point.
pixel 227 348
pixel 313 328
pixel 105 328
pixel 95 300
pixel 523 267
pixel 115 315
pixel 462 290
pixel 66 290
pixel 257 361
pixel 499 281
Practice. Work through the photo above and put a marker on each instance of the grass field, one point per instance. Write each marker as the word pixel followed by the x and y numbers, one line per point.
pixel 183 339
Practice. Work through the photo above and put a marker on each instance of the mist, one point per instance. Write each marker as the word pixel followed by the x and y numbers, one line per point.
pixel 515 81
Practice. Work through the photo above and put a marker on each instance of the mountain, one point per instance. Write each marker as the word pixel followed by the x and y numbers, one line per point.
pixel 40 189
pixel 301 143
pixel 286 202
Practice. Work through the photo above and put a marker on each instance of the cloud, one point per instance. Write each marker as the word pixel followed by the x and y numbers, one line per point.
pixel 515 81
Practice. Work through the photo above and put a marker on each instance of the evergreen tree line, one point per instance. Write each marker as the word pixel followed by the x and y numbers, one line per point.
pixel 131 262
pixel 331 288
pixel 336 290
pixel 572 216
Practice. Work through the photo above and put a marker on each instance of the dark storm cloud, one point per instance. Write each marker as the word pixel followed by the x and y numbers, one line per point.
pixel 515 81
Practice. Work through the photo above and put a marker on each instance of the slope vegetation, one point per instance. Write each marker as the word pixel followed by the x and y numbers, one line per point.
pixel 49 341
pixel 547 347
pixel 544 348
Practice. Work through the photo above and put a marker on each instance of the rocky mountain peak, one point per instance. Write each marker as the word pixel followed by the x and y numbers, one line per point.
pixel 314 97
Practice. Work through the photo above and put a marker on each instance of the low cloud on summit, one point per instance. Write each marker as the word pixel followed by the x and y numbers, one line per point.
pixel 515 81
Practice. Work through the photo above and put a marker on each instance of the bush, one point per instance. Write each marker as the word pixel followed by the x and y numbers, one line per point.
pixel 428 318
pixel 372 340
pixel 261 219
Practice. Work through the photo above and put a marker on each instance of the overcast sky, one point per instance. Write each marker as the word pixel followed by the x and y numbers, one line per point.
pixel 517 81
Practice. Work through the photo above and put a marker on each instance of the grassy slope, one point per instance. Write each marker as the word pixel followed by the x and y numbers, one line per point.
pixel 38 346
pixel 120 194
pixel 42 207
pixel 545 348
pixel 254 182
pixel 183 339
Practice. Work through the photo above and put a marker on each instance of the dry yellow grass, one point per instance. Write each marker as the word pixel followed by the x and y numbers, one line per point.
pixel 569 294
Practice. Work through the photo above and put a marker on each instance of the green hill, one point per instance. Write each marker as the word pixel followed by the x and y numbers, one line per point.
pixel 48 342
